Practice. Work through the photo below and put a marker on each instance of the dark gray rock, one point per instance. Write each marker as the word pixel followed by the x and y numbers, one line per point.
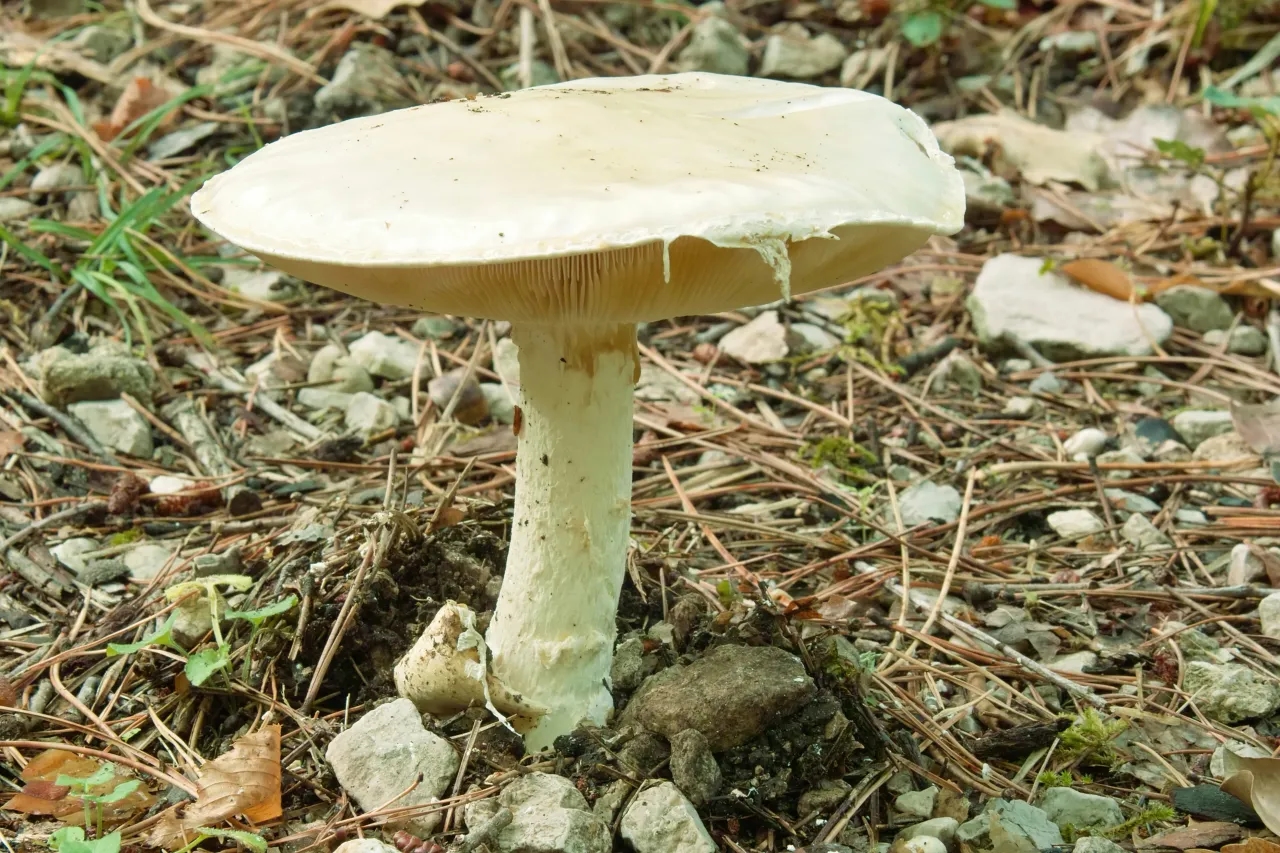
pixel 693 767
pixel 731 694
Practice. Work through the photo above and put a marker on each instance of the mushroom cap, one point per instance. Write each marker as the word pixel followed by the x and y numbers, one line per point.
pixel 615 200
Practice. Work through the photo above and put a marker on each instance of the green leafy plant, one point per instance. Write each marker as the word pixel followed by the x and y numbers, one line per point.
pixel 926 26
pixel 250 840
pixel 258 618
pixel 82 789
pixel 71 839
pixel 1063 779
pixel 1089 739
pixel 1153 813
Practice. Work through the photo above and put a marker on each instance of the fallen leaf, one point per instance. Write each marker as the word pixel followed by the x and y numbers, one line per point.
pixel 11 441
pixel 1211 834
pixel 40 794
pixel 1101 277
pixel 1255 781
pixel 1252 845
pixel 140 97
pixel 1258 425
pixel 8 693
pixel 244 781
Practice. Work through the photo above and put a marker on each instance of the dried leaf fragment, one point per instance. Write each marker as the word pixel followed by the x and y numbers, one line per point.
pixel 1255 781
pixel 376 9
pixel 1101 277
pixel 139 97
pixel 1252 845
pixel 1258 425
pixel 244 781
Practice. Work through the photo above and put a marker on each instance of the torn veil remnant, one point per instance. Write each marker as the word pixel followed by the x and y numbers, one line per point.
pixel 576 211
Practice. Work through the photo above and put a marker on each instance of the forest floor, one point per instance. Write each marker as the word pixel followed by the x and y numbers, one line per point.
pixel 1009 504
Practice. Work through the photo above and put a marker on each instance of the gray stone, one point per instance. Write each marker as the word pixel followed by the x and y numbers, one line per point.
pixel 1198 426
pixel 1021 407
pixel 958 370
pixel 1014 299
pixel 715 45
pixel 984 190
pixel 823 798
pixel 1130 502
pixel 147 560
pixel 928 503
pixel 1269 615
pixel 661 820
pixel 1244 340
pixel 331 366
pixel 322 398
pixel 1075 663
pixel 70 553
pixel 1016 818
pixel 434 327
pixel 1226 448
pixel 1231 692
pixel 384 753
pixel 942 828
pixel 627 672
pixel 1085 444
pixel 760 341
pixel 1247 564
pixel 548 815
pixel 731 694
pixel 1047 383
pixel 15 208
pixel 104 373
pixel 542 791
pixel 102 43
pixel 366 82
pixel 56 177
pixel 1139 532
pixel 917 805
pixel 1196 308
pixel 367 413
pixel 693 767
pixel 1096 844
pixel 804 338
pixel 385 356
pixel 1074 523
pixel 262 285
pixel 365 845
pixel 1187 515
pixel 502 409
pixel 794 54
pixel 1067 806
pixel 115 424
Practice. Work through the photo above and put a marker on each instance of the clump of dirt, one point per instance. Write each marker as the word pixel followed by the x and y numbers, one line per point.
pixel 461 563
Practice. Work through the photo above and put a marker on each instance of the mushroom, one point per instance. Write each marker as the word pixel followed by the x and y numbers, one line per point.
pixel 575 211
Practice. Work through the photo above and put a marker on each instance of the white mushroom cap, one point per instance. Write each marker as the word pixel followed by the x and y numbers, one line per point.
pixel 616 199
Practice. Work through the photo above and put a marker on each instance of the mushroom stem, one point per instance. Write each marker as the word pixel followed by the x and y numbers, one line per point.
pixel 552 633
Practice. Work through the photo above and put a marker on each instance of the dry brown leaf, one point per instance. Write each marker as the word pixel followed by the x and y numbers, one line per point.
pixel 1210 834
pixel 1101 277
pixel 41 796
pixel 11 441
pixel 1253 845
pixel 244 781
pixel 1258 425
pixel 1255 781
pixel 8 693
pixel 140 97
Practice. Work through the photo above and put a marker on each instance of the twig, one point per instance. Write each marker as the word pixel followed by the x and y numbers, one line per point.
pixel 272 408
pixel 68 422
pixel 240 499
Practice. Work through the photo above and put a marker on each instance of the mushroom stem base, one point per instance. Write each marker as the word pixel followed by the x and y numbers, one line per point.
pixel 552 633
